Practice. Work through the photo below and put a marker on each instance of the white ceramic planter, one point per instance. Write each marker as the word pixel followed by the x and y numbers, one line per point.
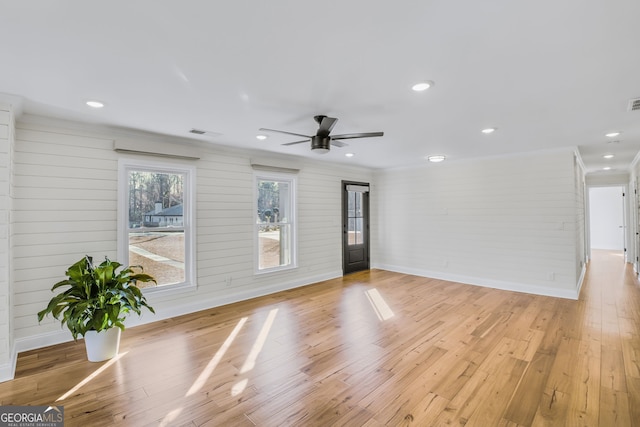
pixel 102 345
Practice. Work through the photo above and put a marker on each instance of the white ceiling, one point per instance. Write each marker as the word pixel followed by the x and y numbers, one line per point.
pixel 547 74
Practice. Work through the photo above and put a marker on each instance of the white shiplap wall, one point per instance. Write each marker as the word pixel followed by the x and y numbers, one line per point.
pixel 507 222
pixel 580 198
pixel 65 207
pixel 7 362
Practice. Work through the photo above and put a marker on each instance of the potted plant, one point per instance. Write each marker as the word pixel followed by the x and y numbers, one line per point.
pixel 96 303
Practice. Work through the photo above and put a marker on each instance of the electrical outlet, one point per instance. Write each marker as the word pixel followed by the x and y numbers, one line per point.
pixel 227 281
pixel 551 276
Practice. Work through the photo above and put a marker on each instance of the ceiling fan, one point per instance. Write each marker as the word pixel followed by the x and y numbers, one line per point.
pixel 322 141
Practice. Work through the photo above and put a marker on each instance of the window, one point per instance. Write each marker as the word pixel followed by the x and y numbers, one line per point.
pixel 275 222
pixel 156 223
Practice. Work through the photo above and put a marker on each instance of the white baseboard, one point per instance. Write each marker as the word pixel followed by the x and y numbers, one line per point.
pixel 42 340
pixel 7 372
pixel 487 283
pixel 581 279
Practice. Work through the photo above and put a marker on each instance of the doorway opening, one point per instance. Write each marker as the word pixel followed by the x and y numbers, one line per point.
pixel 355 226
pixel 607 223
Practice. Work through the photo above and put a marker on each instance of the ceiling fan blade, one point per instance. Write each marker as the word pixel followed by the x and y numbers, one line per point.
pixel 282 131
pixel 326 125
pixel 357 135
pixel 338 143
pixel 297 142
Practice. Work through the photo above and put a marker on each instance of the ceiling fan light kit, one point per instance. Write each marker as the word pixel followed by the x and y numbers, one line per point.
pixel 322 141
pixel 320 144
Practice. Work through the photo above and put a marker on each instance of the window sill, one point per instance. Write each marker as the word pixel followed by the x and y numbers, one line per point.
pixel 275 270
pixel 168 290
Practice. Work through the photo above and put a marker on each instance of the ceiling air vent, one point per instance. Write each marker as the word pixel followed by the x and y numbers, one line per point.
pixel 634 104
pixel 208 133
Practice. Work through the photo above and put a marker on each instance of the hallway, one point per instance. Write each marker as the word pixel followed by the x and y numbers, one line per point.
pixel 609 307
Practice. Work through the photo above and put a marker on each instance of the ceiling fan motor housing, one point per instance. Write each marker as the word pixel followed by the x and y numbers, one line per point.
pixel 321 144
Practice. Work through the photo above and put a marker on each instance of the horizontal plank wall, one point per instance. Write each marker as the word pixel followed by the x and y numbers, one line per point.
pixel 65 207
pixel 7 365
pixel 507 222
pixel 581 218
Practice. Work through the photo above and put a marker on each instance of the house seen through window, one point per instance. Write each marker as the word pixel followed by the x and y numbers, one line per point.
pixel 158 225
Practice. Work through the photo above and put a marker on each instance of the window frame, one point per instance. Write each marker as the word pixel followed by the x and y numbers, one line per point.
pixel 292 180
pixel 189 224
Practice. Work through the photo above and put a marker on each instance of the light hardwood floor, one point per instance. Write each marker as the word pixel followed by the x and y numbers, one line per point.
pixel 373 348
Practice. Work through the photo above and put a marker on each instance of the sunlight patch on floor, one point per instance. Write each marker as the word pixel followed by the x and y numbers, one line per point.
pixel 211 366
pixel 380 306
pixel 92 376
pixel 170 417
pixel 239 387
pixel 250 363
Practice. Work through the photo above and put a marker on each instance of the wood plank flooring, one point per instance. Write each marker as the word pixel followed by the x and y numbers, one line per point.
pixel 370 349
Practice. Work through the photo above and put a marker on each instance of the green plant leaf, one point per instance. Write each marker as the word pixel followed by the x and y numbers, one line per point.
pixel 97 298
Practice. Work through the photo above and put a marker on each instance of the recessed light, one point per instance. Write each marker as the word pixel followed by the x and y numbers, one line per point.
pixel 419 87
pixel 612 134
pixel 436 158
pixel 95 104
pixel 349 155
pixel 489 130
pixel 608 156
pixel 606 168
pixel 261 137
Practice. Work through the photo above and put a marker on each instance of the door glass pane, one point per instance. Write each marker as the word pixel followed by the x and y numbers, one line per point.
pixel 358 205
pixel 351 231
pixel 358 231
pixel 352 204
pixel 354 218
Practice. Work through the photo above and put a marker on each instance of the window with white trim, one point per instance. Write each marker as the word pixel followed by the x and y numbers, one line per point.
pixel 275 230
pixel 156 208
